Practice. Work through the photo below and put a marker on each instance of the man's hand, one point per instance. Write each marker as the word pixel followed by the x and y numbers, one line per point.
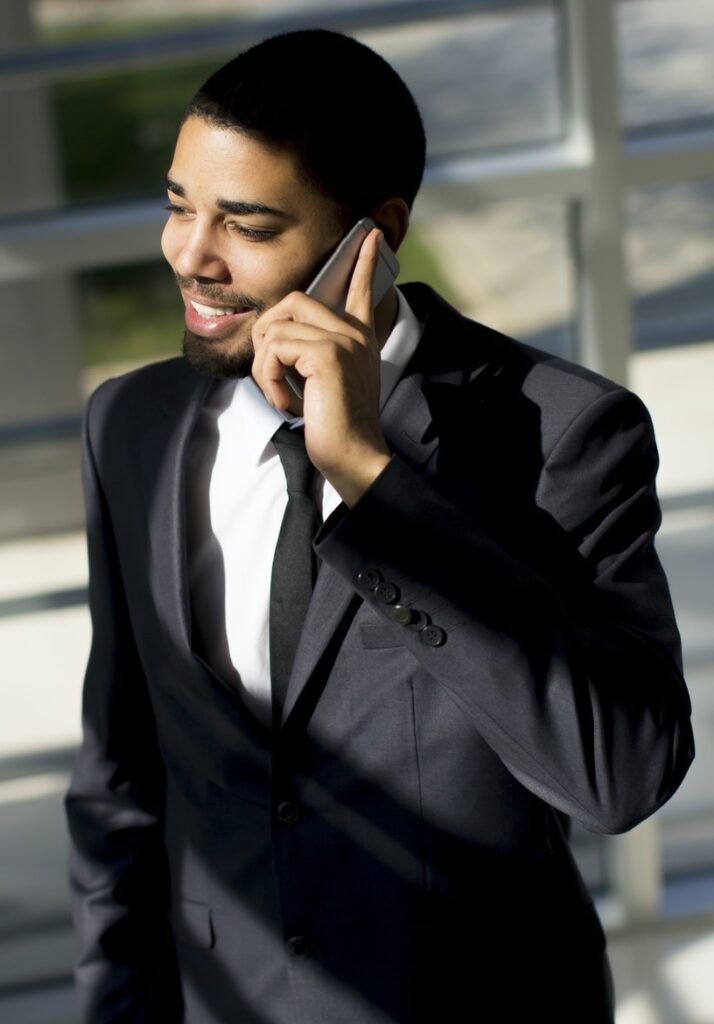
pixel 339 359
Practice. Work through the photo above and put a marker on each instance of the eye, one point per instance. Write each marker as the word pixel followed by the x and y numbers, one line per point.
pixel 257 234
pixel 175 208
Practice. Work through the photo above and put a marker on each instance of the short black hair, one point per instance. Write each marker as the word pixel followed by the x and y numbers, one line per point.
pixel 337 105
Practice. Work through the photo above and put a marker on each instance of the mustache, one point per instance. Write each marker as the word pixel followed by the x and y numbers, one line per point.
pixel 225 298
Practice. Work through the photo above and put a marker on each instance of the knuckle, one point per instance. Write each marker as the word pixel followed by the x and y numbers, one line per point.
pixel 275 331
pixel 270 330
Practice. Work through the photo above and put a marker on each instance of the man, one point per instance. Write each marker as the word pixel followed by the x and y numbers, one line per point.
pixel 378 832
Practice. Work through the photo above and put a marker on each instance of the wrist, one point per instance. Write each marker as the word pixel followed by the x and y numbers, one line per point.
pixel 352 482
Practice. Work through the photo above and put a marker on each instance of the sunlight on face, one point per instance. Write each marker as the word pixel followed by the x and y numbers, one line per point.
pixel 245 228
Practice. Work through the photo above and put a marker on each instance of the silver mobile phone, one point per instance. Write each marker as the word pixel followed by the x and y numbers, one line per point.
pixel 331 285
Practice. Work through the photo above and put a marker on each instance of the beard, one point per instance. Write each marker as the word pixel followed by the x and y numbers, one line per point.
pixel 208 356
pixel 221 357
pixel 232 358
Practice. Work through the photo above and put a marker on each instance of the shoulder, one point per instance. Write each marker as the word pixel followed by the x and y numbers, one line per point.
pixel 146 406
pixel 139 389
pixel 135 400
pixel 518 377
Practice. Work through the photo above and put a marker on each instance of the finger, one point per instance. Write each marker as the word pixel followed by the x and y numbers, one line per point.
pixel 300 308
pixel 269 367
pixel 359 296
pixel 275 336
pixel 301 353
pixel 295 330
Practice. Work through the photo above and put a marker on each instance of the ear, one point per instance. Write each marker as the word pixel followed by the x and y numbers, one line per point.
pixel 392 216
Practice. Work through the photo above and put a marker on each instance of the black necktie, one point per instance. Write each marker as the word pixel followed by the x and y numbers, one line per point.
pixel 294 565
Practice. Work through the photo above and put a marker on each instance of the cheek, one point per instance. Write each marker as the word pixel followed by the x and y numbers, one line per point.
pixel 272 273
pixel 299 265
pixel 168 242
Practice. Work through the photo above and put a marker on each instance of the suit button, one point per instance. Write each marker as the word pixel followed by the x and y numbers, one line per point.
pixel 400 613
pixel 370 578
pixel 419 619
pixel 288 812
pixel 298 946
pixel 387 593
pixel 434 636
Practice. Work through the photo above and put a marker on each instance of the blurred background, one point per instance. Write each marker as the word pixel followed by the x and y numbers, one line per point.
pixel 569 201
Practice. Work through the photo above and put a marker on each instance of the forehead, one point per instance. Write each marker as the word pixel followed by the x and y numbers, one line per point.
pixel 211 162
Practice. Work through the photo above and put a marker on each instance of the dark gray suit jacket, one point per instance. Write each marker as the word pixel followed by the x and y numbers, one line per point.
pixel 398 850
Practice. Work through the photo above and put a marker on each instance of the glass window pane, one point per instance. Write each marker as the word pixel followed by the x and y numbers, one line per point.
pixel 44 636
pixel 472 93
pixel 114 134
pixel 666 61
pixel 670 245
pixel 56 21
pixel 129 315
pixel 506 264
pixel 37 941
pixel 676 385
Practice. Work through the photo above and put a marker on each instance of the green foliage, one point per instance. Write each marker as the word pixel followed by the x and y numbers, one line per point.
pixel 116 134
pixel 92 29
pixel 418 263
pixel 130 313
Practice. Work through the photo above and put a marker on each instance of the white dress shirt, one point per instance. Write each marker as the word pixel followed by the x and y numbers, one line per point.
pixel 231 538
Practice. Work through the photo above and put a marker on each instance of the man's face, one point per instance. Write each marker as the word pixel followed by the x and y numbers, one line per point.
pixel 244 230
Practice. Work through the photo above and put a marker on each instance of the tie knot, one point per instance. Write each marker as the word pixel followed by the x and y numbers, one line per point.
pixel 299 471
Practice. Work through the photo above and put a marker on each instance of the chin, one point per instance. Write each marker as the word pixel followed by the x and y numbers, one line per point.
pixel 218 360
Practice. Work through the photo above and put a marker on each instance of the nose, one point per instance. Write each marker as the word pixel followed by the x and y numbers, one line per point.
pixel 197 255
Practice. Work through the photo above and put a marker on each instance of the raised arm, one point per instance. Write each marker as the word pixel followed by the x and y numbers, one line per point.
pixel 566 658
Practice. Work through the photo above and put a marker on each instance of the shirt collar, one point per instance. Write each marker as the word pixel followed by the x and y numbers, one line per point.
pixel 245 405
pixel 398 348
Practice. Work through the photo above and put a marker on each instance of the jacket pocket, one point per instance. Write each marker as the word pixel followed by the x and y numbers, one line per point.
pixel 191 922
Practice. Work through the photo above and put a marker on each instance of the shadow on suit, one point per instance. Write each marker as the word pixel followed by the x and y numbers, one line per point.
pixel 428 867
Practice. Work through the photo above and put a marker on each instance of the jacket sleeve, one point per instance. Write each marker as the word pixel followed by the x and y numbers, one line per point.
pixel 119 887
pixel 562 649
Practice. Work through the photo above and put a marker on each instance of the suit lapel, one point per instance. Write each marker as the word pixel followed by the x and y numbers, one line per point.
pixel 405 421
pixel 163 458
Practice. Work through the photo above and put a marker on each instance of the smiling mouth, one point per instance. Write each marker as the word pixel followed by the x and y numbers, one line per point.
pixel 208 312
pixel 216 323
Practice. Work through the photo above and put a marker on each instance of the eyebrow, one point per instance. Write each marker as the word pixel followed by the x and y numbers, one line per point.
pixel 231 205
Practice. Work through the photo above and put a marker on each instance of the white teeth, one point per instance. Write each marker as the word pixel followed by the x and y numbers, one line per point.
pixel 211 311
